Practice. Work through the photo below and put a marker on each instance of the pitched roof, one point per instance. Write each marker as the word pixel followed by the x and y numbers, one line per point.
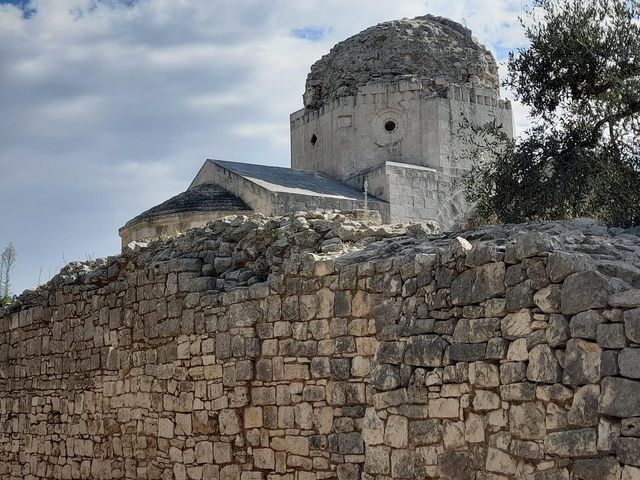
pixel 287 180
pixel 201 198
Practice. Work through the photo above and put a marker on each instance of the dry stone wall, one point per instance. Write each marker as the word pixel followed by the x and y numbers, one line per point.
pixel 322 345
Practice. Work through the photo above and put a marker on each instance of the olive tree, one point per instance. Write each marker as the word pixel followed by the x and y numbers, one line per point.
pixel 580 77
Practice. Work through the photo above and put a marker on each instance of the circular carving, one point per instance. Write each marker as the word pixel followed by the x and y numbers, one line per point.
pixel 389 125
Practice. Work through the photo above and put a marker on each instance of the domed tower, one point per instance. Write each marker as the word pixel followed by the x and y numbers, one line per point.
pixel 385 106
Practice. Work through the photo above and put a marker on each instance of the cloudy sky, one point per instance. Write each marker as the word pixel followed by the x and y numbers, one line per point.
pixel 108 107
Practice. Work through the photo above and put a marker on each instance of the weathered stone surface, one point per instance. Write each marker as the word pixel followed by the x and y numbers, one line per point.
pixel 425 432
pixel 629 362
pixel 619 397
pixel 562 264
pixel 627 299
pixel 531 244
pixel 500 462
pixel 572 443
pixel 630 427
pixel 632 324
pixel 424 351
pixel 628 450
pixel 583 291
pixel 482 329
pixel 516 325
pixel 543 365
pixel 467 352
pixel 385 377
pixel 584 410
pixel 557 331
pixel 611 335
pixel 548 298
pixel 582 363
pixel 396 432
pixel 606 468
pixel 484 375
pixel 437 49
pixel 585 324
pixel 478 284
pixel 527 421
pixel 377 460
pixel 519 296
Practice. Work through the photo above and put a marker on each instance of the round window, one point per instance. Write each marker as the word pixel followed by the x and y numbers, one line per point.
pixel 390 126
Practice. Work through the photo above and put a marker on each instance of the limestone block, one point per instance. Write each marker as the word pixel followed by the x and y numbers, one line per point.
pixel 467 352
pixel 583 291
pixel 543 366
pixel 484 375
pixel 483 400
pixel 390 352
pixel 527 421
pixel 584 410
pixel 183 424
pixel 632 324
pixel 500 462
pixel 630 473
pixel 482 329
pixel 585 324
pixel 474 429
pixel 478 284
pixel 425 432
pixel 572 443
pixel 385 377
pixel 628 450
pixel 557 331
pixel 629 362
pixel 518 351
pixel 619 396
pixel 519 296
pixel 582 363
pixel 608 432
pixel 397 431
pixel 444 408
pixel 597 469
pixel 516 325
pixel 204 452
pixel 453 436
pixel 626 299
pixel 611 335
pixel 424 351
pixel 377 460
pixel 229 422
pixel 347 443
pixel 372 428
pixel 165 428
pixel 518 392
pixel 323 419
pixel 222 452
pixel 403 463
pixel 562 264
pixel 264 458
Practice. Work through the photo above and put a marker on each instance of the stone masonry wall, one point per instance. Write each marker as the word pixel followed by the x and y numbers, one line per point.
pixel 320 346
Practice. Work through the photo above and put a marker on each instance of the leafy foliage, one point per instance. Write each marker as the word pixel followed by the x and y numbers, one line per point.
pixel 581 77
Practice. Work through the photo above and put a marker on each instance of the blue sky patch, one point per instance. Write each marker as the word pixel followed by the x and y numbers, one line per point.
pixel 28 11
pixel 311 33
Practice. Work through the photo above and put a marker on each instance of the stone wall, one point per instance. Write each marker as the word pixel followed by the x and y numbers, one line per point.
pixel 322 346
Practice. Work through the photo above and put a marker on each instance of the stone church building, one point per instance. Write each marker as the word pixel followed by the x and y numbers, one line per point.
pixel 383 107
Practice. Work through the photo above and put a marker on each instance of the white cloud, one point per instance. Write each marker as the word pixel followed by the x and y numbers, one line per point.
pixel 109 110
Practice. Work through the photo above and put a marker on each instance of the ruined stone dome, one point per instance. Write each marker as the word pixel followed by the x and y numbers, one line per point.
pixel 435 51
